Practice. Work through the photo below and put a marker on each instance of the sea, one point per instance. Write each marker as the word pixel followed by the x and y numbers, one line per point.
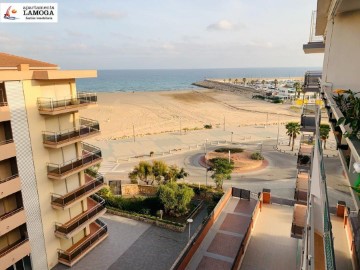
pixel 175 79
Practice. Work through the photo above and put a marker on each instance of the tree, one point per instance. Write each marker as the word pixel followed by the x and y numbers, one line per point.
pixel 222 170
pixel 175 198
pixel 159 170
pixel 229 80
pixel 142 172
pixel 174 173
pixel 297 87
pixel 292 130
pixel 324 133
pixel 263 83
pixel 276 82
pixel 244 81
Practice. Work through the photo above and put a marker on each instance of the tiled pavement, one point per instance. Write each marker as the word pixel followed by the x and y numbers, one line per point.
pixel 220 246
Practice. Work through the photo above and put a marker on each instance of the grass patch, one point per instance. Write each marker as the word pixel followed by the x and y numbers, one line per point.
pixel 226 150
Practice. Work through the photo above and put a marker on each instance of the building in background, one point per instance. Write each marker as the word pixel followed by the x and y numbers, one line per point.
pixel 48 208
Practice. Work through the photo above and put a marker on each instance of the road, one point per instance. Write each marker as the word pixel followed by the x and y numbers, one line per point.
pixel 279 176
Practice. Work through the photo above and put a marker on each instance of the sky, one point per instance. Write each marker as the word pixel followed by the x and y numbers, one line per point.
pixel 168 34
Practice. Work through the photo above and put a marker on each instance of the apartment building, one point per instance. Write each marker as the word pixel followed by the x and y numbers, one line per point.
pixel 48 208
pixel 335 31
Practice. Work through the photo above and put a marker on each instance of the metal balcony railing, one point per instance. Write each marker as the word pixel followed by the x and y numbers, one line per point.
pixel 13 246
pixel 11 213
pixel 69 257
pixel 49 104
pixel 3 103
pixel 8 178
pixel 6 142
pixel 81 219
pixel 87 127
pixel 90 155
pixel 63 200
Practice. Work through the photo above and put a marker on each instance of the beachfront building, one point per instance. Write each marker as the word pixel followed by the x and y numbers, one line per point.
pixel 48 208
pixel 336 23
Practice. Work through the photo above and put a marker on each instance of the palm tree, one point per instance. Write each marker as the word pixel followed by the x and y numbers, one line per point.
pixel 141 171
pixel 297 87
pixel 276 82
pixel 292 130
pixel 324 133
pixel 263 83
pixel 244 81
pixel 229 80
pixel 236 81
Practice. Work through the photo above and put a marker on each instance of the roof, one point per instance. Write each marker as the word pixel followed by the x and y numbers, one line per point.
pixel 12 61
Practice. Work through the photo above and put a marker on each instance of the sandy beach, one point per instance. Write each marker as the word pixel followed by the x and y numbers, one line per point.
pixel 120 114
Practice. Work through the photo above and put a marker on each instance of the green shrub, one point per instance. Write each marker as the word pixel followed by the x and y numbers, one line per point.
pixel 226 150
pixel 208 126
pixel 256 156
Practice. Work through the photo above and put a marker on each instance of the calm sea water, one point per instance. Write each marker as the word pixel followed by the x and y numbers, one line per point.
pixel 161 79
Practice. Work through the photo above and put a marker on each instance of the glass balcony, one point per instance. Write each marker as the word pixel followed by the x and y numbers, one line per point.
pixel 91 156
pixel 86 129
pixel 12 220
pixel 9 185
pixel 316 43
pixel 91 186
pixel 308 118
pixel 98 232
pixel 14 253
pixel 49 106
pixel 301 189
pixel 96 209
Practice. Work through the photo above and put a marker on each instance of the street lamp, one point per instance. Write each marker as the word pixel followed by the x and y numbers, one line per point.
pixel 261 146
pixel 190 220
pixel 277 138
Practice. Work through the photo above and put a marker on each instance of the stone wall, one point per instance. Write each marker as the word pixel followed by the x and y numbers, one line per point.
pixel 134 189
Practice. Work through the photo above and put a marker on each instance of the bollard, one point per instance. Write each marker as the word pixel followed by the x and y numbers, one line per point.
pixel 266 195
pixel 340 208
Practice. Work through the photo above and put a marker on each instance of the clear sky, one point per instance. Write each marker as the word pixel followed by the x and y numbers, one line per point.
pixel 141 34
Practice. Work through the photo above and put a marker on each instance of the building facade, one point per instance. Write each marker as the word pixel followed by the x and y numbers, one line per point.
pixel 48 163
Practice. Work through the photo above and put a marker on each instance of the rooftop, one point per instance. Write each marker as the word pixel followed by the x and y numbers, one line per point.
pixel 9 61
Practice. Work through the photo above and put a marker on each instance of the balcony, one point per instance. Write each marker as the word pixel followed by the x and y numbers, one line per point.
pixel 312 81
pixel 299 220
pixel 48 106
pixel 95 210
pixel 87 129
pixel 308 119
pixel 98 232
pixel 9 185
pixel 316 43
pixel 12 220
pixel 302 186
pixel 7 149
pixel 92 185
pixel 91 156
pixel 14 253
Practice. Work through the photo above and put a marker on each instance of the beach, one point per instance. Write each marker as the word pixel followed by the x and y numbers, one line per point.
pixel 123 114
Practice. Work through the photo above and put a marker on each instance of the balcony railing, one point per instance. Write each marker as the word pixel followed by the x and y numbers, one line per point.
pixel 50 105
pixel 3 103
pixel 316 43
pixel 65 229
pixel 7 215
pixel 69 257
pixel 8 178
pixel 87 127
pixel 89 187
pixel 6 142
pixel 91 155
pixel 13 247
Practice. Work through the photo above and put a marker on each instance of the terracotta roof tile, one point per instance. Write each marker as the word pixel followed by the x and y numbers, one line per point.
pixel 11 61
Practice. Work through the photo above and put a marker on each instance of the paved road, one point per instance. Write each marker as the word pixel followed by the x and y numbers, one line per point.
pixel 279 176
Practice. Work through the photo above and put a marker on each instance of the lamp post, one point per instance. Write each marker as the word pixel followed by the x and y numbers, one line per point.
pixel 277 138
pixel 190 220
